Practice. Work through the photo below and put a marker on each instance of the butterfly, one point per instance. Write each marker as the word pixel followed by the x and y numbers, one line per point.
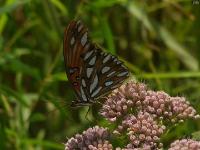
pixel 91 72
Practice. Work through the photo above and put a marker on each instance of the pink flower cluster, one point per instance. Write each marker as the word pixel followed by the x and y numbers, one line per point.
pixel 138 113
pixel 125 99
pixel 95 138
pixel 185 144
pixel 143 131
pixel 134 97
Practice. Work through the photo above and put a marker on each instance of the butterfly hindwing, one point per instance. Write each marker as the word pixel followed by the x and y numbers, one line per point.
pixel 102 73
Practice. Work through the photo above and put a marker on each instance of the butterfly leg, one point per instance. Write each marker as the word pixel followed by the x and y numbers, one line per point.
pixel 86 115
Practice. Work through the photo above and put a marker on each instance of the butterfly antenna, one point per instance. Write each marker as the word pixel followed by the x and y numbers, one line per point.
pixel 104 98
pixel 58 103
pixel 67 137
pixel 101 103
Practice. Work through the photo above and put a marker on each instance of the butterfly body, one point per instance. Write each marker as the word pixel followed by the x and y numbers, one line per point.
pixel 92 72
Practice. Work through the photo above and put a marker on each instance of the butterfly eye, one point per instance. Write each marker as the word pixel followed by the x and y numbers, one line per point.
pixel 92 72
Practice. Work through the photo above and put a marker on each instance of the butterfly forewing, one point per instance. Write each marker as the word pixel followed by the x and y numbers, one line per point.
pixel 75 44
pixel 91 71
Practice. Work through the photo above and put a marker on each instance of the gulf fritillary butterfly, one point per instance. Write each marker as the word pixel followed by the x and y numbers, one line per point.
pixel 92 72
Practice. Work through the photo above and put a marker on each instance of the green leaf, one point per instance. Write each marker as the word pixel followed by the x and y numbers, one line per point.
pixel 166 75
pixel 3 21
pixel 181 52
pixel 37 117
pixel 60 6
pixel 11 5
pixel 136 10
pixel 43 143
pixel 105 3
pixel 57 77
pixel 196 135
pixel 18 66
pixel 107 33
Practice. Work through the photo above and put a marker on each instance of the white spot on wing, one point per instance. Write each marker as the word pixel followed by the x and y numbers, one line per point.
pixel 89 72
pixel 83 94
pixel 72 41
pixel 78 22
pixel 83 83
pixel 122 74
pixel 94 83
pixel 105 69
pixel 115 60
pixel 106 58
pixel 80 27
pixel 108 83
pixel 110 74
pixel 93 60
pixel 96 91
pixel 88 54
pixel 71 70
pixel 84 39
pixel 119 62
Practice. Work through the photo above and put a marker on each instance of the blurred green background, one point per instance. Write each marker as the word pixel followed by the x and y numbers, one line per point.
pixel 159 40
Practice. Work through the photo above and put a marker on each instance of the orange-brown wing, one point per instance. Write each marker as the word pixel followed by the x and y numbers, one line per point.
pixel 76 42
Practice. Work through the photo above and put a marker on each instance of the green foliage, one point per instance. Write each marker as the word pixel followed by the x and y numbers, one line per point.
pixel 158 40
